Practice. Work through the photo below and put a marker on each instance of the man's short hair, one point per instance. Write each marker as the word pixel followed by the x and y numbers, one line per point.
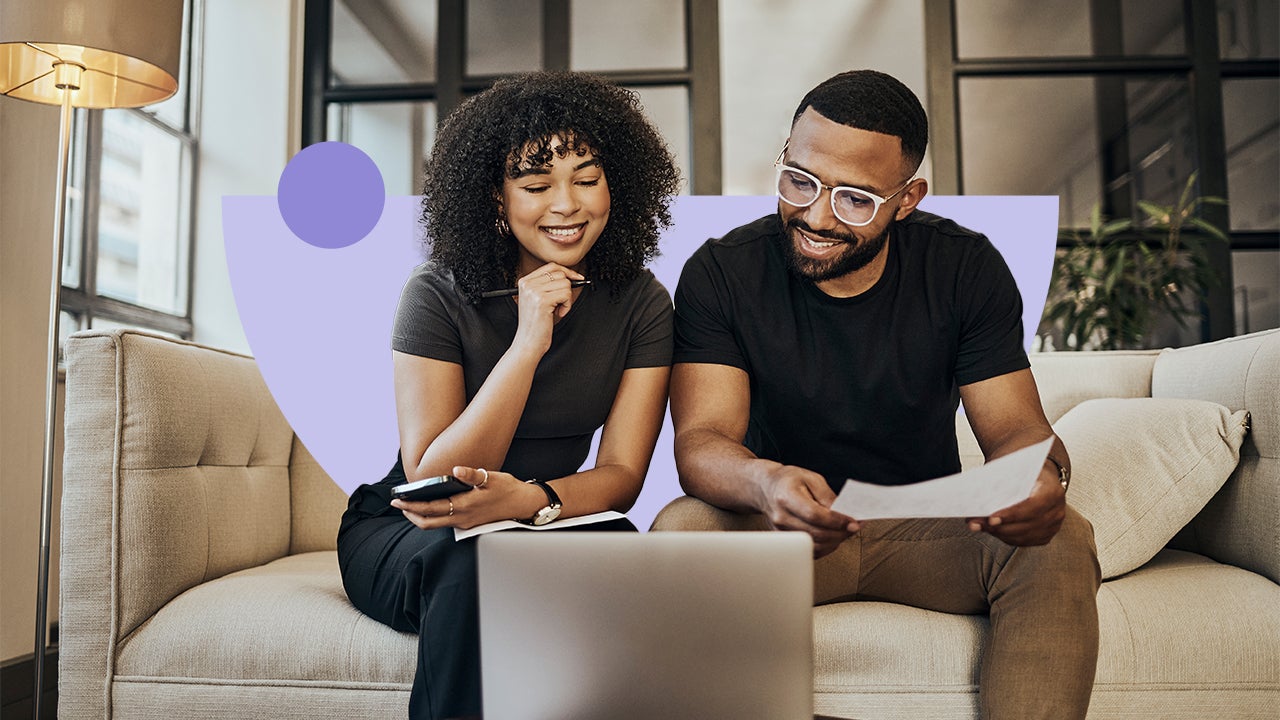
pixel 874 101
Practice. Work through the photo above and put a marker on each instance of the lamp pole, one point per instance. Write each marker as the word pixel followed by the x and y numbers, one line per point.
pixel 71 53
pixel 68 75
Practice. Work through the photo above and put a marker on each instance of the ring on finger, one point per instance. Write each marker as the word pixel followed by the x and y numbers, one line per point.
pixel 450 507
pixel 483 482
pixel 548 274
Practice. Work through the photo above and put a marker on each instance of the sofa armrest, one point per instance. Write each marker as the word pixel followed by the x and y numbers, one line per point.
pixel 176 471
pixel 1238 526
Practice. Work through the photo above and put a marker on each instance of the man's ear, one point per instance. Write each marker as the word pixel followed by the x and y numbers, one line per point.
pixel 911 197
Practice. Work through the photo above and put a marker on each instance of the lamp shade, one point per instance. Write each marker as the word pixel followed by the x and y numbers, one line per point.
pixel 129 50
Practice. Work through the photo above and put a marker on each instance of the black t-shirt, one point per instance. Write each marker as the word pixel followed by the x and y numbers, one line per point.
pixel 575 383
pixel 863 387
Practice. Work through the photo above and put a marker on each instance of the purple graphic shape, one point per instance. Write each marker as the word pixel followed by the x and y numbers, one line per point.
pixel 319 321
pixel 331 195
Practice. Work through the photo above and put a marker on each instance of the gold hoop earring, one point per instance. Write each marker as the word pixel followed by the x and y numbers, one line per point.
pixel 504 230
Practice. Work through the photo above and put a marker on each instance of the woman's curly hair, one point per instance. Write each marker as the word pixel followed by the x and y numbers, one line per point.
pixel 490 136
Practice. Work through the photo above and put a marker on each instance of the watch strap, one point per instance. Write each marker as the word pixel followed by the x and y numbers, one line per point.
pixel 548 512
pixel 1064 473
pixel 552 497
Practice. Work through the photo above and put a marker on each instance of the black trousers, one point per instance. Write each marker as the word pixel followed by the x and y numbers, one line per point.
pixel 424 582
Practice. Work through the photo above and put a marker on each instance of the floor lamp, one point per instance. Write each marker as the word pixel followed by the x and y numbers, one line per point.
pixel 90 54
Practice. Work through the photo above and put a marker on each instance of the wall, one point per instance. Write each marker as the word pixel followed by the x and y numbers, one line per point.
pixel 28 174
pixel 251 51
pixel 250 55
pixel 772 53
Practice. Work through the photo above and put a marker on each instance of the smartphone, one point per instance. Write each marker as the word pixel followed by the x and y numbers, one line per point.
pixel 433 488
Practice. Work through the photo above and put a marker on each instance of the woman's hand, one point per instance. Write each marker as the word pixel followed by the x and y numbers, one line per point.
pixel 545 296
pixel 496 496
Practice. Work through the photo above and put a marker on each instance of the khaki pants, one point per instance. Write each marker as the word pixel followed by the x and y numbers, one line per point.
pixel 1042 651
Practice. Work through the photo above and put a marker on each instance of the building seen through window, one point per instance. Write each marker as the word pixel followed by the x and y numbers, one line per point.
pixel 129 231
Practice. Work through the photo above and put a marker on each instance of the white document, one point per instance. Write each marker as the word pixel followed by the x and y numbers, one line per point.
pixel 978 492
pixel 460 534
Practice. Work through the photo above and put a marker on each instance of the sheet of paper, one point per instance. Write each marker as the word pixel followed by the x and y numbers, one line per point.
pixel 978 492
pixel 460 534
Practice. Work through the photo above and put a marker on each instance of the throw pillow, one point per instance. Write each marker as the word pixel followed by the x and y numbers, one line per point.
pixel 1143 467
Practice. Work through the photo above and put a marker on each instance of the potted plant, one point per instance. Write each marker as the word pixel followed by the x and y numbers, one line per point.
pixel 1111 286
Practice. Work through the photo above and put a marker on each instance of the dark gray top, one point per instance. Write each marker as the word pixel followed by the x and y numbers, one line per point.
pixel 576 381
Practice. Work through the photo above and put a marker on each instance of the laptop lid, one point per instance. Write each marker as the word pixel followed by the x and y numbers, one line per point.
pixel 656 625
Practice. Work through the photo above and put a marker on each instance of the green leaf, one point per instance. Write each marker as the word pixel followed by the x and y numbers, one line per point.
pixel 1208 227
pixel 1161 214
pixel 1113 227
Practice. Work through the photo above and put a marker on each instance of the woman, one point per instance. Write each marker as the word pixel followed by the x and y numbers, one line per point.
pixel 542 182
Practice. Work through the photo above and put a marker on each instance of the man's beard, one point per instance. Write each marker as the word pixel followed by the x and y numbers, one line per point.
pixel 856 255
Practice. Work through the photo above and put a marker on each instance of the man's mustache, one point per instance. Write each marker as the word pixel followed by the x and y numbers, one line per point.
pixel 798 224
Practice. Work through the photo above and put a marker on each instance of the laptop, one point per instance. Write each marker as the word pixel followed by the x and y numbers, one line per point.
pixel 666 625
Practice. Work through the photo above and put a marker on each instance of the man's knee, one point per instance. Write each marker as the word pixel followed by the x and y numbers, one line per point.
pixel 1069 562
pixel 1078 548
pixel 690 514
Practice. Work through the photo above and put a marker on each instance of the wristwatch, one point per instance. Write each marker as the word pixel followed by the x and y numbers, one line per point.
pixel 1064 473
pixel 548 513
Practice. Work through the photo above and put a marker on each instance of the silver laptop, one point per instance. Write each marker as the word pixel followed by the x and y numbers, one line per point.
pixel 666 625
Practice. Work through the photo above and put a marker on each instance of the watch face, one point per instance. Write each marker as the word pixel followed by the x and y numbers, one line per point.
pixel 546 515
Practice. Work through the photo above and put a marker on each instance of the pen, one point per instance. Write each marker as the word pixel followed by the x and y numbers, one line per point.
pixel 508 292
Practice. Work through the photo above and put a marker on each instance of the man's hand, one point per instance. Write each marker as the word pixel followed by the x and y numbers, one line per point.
pixel 793 498
pixel 1033 521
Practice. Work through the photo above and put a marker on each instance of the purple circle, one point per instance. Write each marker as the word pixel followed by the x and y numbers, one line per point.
pixel 331 195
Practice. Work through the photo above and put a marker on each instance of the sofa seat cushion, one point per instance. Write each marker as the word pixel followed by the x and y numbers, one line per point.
pixel 283 622
pixel 1182 637
pixel 882 660
pixel 1195 636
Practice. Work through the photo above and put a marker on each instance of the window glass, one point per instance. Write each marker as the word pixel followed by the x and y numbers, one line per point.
pixel 397 136
pixel 668 109
pixel 1160 133
pixel 1251 115
pixel 1063 28
pixel 1256 275
pixel 142 234
pixel 626 35
pixel 100 323
pixel 1248 29
pixel 379 43
pixel 503 37
pixel 1032 136
pixel 73 220
pixel 1041 136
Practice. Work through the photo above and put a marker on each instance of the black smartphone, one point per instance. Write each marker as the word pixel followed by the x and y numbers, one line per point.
pixel 432 488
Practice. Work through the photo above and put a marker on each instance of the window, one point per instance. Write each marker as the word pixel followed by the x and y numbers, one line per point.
pixel 380 75
pixel 129 232
pixel 1112 103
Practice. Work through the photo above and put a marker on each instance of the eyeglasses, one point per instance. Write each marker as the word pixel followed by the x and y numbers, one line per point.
pixel 852 206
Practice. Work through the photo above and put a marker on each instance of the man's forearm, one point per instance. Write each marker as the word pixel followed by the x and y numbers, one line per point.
pixel 720 471
pixel 1031 436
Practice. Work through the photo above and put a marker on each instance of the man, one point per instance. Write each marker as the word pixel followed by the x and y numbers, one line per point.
pixel 835 339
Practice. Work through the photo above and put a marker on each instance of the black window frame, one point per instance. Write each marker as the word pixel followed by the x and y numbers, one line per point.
pixel 700 76
pixel 1202 68
pixel 81 301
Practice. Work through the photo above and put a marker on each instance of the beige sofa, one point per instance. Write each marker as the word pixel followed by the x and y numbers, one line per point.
pixel 198 577
pixel 1192 633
